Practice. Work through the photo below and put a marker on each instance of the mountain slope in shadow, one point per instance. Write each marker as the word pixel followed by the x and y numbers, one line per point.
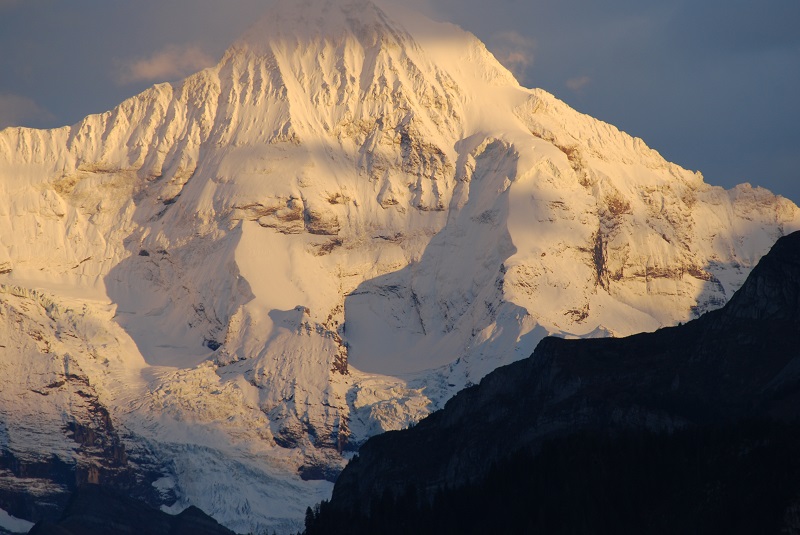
pixel 96 510
pixel 707 410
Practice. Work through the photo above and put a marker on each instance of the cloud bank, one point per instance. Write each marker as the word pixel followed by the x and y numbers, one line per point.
pixel 16 110
pixel 169 63
pixel 578 84
pixel 513 50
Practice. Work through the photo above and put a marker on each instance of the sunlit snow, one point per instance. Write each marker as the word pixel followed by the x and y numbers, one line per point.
pixel 350 185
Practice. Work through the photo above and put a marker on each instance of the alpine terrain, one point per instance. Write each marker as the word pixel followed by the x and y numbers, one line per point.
pixel 215 292
pixel 689 429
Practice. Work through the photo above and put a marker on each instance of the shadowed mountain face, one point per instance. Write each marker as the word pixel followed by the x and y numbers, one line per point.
pixel 739 363
pixel 94 510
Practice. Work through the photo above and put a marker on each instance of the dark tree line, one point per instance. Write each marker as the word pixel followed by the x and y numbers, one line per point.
pixel 727 480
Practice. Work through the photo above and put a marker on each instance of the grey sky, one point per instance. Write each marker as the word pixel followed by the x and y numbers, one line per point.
pixel 713 85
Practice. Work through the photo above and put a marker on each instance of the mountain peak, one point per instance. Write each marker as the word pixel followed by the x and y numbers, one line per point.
pixel 311 19
pixel 341 69
pixel 353 28
pixel 352 193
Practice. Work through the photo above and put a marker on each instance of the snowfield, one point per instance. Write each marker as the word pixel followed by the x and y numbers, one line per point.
pixel 352 216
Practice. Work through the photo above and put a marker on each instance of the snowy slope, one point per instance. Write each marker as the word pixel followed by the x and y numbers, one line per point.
pixel 354 214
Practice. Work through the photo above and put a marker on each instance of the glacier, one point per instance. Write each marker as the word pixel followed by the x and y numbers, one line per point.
pixel 222 287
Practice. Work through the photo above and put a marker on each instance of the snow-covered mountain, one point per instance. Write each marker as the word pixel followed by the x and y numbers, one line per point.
pixel 235 280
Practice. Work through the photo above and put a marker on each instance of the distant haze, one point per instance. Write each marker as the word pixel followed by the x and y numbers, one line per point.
pixel 712 86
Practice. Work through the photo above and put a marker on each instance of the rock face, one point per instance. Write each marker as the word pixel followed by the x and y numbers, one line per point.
pixel 324 237
pixel 56 430
pixel 741 362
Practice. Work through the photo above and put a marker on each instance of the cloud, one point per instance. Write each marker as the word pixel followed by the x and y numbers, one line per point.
pixel 419 6
pixel 513 50
pixel 577 84
pixel 169 63
pixel 16 110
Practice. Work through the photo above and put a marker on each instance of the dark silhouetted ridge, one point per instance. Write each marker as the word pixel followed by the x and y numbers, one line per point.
pixel 719 397
pixel 95 510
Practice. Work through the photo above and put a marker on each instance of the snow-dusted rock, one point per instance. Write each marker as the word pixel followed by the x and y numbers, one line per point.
pixel 328 234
